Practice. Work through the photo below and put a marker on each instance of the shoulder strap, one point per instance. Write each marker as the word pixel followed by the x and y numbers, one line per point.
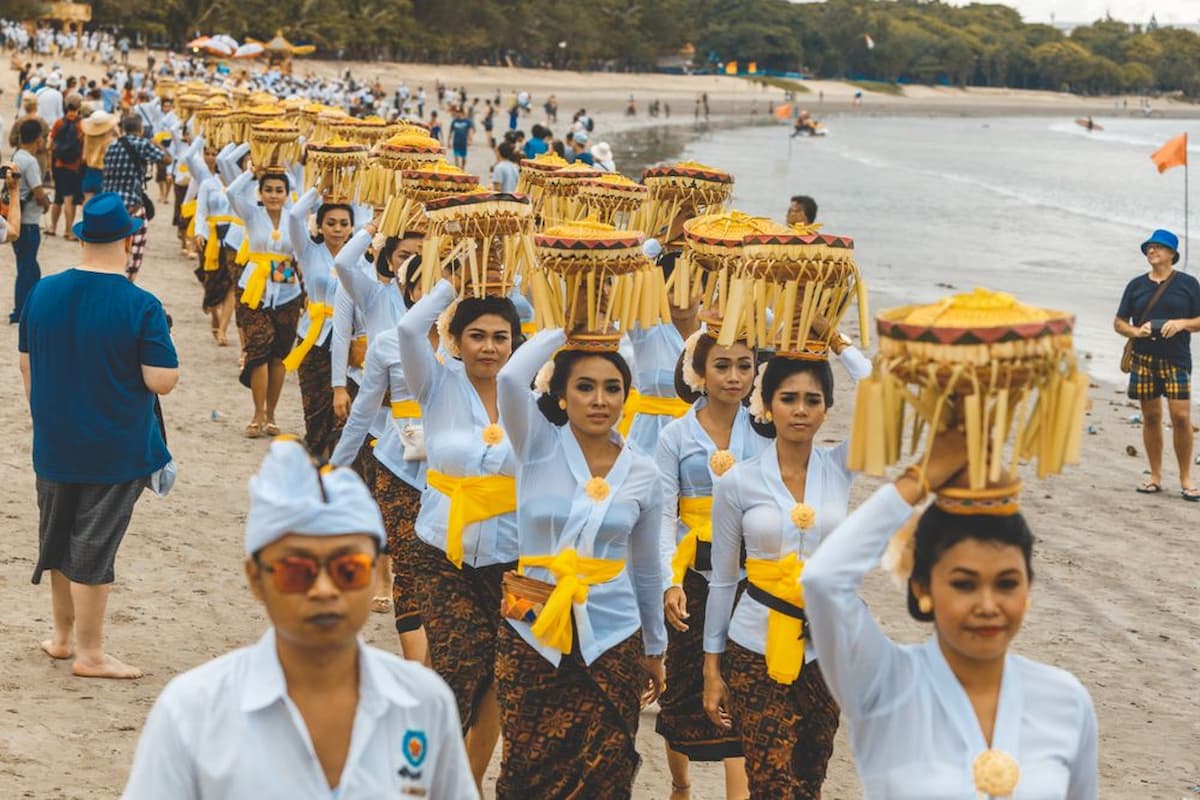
pixel 1162 287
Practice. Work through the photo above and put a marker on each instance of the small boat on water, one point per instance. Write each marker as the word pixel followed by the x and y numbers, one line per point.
pixel 1086 122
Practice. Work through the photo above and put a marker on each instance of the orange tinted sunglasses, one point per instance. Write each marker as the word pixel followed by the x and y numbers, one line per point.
pixel 297 574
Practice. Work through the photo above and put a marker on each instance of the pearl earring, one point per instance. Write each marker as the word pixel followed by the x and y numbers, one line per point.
pixel 925 604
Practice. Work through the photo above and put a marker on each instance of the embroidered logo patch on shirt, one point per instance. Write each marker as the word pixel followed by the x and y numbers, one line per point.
pixel 414 746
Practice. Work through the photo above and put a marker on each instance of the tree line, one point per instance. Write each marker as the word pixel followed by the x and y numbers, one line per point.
pixel 901 41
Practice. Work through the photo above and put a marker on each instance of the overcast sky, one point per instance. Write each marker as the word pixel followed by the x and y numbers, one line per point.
pixel 1167 11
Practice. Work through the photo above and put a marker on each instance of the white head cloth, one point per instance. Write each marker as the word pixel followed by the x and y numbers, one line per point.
pixel 289 495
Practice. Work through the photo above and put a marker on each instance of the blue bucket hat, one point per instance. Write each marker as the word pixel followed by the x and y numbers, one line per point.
pixel 1166 239
pixel 105 220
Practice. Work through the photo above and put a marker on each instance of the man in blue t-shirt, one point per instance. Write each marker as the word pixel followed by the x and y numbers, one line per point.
pixel 95 352
pixel 462 131
pixel 1159 311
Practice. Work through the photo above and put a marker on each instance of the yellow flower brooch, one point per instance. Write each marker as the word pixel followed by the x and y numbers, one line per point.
pixel 721 462
pixel 597 489
pixel 803 516
pixel 996 773
pixel 493 435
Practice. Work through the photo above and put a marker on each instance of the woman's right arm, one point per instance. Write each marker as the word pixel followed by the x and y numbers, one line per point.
pixel 297 222
pixel 523 421
pixel 241 195
pixel 227 162
pixel 420 362
pixel 666 458
pixel 362 412
pixel 354 281
pixel 726 569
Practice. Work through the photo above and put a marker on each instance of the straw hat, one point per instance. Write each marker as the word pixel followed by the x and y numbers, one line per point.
pixel 98 123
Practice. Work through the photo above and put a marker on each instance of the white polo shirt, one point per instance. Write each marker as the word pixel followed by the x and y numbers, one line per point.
pixel 228 729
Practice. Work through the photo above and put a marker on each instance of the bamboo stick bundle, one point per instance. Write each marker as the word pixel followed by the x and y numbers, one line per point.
pixel 405 210
pixel 683 187
pixel 322 129
pixel 712 247
pixel 559 190
pixel 611 198
pixel 335 166
pixel 367 130
pixel 531 175
pixel 274 143
pixel 477 229
pixel 976 360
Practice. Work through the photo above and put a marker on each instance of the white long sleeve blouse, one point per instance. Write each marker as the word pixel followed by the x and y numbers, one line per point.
pixel 264 237
pixel 381 304
pixel 655 352
pixel 316 264
pixel 914 731
pixel 383 377
pixel 454 419
pixel 348 324
pixel 554 513
pixel 682 457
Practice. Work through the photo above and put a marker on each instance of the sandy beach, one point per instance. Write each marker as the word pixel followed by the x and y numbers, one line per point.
pixel 1116 572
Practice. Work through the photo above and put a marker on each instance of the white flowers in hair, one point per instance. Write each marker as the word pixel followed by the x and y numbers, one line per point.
pixel 541 381
pixel 378 241
pixel 900 555
pixel 756 396
pixel 690 376
pixel 445 340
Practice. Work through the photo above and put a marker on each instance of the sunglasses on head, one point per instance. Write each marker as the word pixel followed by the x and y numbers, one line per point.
pixel 297 574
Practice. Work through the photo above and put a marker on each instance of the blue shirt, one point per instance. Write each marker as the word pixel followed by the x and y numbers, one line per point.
pixel 459 129
pixel 535 147
pixel 87 335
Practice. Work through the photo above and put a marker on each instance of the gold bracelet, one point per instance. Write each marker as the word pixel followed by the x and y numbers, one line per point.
pixel 918 473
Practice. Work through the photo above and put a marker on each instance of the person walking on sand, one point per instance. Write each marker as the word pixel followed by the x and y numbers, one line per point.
pixel 307 711
pixel 93 451
pixel 1159 311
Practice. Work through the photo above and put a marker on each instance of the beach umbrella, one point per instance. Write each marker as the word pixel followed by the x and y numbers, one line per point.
pixel 249 50
pixel 226 39
pixel 198 42
pixel 217 48
pixel 278 44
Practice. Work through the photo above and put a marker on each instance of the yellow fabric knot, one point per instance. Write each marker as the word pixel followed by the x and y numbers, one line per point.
pixel 638 403
pixel 573 575
pixel 256 284
pixel 472 499
pixel 406 409
pixel 803 516
pixel 493 435
pixel 696 514
pixel 721 462
pixel 317 314
pixel 996 773
pixel 212 247
pixel 597 489
pixel 785 634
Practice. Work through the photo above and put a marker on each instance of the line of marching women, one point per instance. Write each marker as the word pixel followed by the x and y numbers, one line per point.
pixel 628 506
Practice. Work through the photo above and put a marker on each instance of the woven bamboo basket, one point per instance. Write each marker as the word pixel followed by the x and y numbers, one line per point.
pixel 712 253
pixel 409 150
pixel 981 361
pixel 368 130
pixel 531 175
pixel 308 118
pixel 559 190
pixel 593 281
pixel 796 279
pixel 335 166
pixel 246 118
pixel 610 198
pixel 324 122
pixel 274 143
pixel 240 96
pixel 483 232
pixel 187 104
pixel 202 117
pixel 686 186
pixel 165 88
pixel 405 211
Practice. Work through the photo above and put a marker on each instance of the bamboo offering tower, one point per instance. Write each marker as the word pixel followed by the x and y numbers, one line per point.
pixel 685 187
pixel 336 167
pixel 611 198
pixel 487 235
pixel 405 210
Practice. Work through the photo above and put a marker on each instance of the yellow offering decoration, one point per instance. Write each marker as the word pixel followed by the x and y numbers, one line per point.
pixel 984 362
pixel 492 435
pixel 721 461
pixel 246 118
pixel 165 88
pixel 559 190
pixel 996 773
pixel 274 143
pixel 368 130
pixel 307 118
pixel 611 198
pixel 686 186
pixel 711 254
pixel 531 176
pixel 596 489
pixel 188 103
pixel 803 516
pixel 486 235
pixel 335 166
pixel 404 210
pixel 593 281
pixel 411 149
pixel 322 126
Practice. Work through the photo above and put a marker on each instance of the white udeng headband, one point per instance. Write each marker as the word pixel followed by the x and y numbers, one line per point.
pixel 756 396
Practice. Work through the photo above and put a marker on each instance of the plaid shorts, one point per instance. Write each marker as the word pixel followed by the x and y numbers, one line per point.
pixel 1155 376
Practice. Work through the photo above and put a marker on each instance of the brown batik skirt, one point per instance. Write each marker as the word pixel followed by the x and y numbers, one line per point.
pixel 681 718
pixel 268 334
pixel 461 613
pixel 787 731
pixel 400 503
pixel 218 282
pixel 321 427
pixel 569 731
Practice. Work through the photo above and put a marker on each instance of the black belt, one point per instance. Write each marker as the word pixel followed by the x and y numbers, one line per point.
pixel 703 560
pixel 782 606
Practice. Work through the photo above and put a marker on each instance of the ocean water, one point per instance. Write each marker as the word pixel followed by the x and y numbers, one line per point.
pixel 1035 206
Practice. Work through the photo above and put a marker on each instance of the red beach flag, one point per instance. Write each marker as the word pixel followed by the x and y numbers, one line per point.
pixel 1171 154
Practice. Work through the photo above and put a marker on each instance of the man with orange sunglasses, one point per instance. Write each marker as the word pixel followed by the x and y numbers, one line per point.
pixel 308 711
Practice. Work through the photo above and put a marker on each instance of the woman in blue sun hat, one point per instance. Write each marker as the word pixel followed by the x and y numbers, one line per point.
pixel 1158 313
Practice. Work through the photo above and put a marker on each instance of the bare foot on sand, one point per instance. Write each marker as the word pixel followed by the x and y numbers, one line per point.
pixel 107 667
pixel 55 650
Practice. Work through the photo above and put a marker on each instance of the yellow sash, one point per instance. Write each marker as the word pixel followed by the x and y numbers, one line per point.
pixel 243 253
pixel 696 513
pixel 528 328
pixel 638 403
pixel 406 409
pixel 212 247
pixel 472 498
pixel 317 314
pixel 256 285
pixel 573 575
pixel 785 634
pixel 188 211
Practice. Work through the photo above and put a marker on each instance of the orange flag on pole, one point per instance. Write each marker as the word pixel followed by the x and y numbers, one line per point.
pixel 1171 154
